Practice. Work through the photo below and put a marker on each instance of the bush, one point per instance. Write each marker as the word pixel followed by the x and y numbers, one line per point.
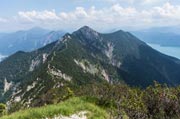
pixel 2 109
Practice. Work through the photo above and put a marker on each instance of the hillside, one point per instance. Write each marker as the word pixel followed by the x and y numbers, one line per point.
pixel 97 65
pixel 107 101
pixel 30 79
pixel 76 107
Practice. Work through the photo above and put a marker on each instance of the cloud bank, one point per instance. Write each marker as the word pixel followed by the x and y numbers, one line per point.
pixel 115 16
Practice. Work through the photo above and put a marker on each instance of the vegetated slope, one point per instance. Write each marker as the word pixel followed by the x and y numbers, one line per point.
pixel 116 101
pixel 81 58
pixel 14 69
pixel 67 108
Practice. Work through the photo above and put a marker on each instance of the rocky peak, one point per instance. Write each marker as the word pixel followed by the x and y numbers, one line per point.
pixel 86 28
pixel 87 33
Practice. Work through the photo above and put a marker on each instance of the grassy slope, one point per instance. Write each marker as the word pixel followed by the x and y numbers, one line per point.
pixel 69 107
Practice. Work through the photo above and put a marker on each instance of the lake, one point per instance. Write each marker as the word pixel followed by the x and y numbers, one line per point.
pixel 171 51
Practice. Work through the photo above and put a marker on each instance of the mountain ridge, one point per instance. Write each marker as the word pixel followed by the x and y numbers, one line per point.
pixel 81 58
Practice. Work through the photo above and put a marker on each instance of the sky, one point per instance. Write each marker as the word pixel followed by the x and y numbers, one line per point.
pixel 99 14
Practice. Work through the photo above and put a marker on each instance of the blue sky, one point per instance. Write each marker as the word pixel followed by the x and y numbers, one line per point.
pixel 99 14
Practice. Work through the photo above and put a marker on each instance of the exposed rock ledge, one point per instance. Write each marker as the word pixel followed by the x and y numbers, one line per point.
pixel 80 115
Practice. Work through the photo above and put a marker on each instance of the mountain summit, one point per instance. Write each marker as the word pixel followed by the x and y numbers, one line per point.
pixel 81 58
pixel 88 33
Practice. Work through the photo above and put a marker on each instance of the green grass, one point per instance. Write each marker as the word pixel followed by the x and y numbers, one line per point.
pixel 69 107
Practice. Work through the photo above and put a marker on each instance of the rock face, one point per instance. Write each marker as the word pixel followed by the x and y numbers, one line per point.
pixel 84 57
pixel 7 85
pixel 80 115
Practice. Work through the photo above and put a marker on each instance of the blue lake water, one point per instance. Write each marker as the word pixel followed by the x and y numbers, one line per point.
pixel 171 51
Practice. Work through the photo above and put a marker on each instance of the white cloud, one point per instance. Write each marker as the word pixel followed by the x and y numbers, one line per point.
pixel 115 16
pixel 168 11
pixel 38 15
pixel 118 16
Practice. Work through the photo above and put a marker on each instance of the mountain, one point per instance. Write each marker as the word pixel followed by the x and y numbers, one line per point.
pixel 165 29
pixel 165 36
pixel 81 58
pixel 27 40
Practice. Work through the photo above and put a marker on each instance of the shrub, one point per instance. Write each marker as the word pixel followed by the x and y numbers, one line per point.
pixel 2 109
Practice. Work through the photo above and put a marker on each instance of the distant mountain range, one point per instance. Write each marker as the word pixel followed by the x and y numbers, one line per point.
pixel 164 36
pixel 81 58
pixel 27 40
pixel 2 57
